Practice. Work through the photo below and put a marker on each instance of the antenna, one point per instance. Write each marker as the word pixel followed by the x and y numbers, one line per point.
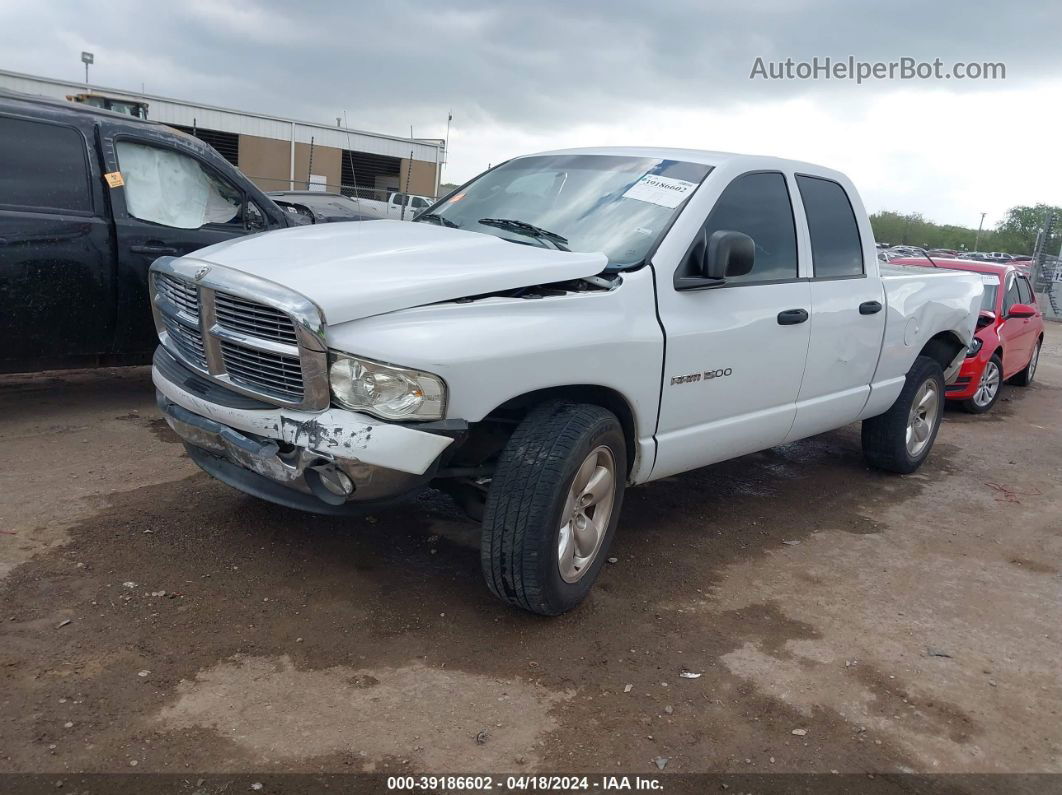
pixel 350 159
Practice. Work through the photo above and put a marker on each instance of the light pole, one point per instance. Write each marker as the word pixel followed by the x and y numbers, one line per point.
pixel 87 58
pixel 977 240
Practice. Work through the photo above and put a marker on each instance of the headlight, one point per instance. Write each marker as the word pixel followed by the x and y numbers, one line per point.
pixel 391 393
pixel 975 346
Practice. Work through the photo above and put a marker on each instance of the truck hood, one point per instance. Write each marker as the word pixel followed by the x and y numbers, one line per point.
pixel 364 268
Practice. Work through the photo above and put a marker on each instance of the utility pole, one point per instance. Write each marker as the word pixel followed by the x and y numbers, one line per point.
pixel 446 144
pixel 977 240
pixel 87 58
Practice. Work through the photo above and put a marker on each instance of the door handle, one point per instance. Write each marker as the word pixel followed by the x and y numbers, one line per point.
pixel 158 251
pixel 870 307
pixel 791 317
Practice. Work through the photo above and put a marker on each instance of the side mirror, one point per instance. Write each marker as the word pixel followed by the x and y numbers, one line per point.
pixel 729 254
pixel 724 253
pixel 1022 310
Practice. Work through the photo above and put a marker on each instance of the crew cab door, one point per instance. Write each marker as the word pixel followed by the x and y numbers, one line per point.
pixel 734 354
pixel 170 202
pixel 56 256
pixel 847 309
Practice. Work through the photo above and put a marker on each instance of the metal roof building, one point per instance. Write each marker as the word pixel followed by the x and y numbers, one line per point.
pixel 279 153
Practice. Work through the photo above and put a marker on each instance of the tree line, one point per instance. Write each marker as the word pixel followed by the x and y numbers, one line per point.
pixel 1015 234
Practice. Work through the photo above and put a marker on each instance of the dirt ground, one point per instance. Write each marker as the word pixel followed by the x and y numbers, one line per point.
pixel 839 618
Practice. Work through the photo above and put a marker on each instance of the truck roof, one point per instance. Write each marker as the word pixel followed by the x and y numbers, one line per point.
pixel 705 156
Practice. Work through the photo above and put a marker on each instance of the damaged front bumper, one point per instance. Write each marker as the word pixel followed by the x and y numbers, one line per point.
pixel 330 462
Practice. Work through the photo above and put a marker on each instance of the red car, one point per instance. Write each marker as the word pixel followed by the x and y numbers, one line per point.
pixel 1010 331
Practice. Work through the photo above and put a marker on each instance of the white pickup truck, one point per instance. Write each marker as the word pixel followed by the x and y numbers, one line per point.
pixel 563 327
pixel 399 206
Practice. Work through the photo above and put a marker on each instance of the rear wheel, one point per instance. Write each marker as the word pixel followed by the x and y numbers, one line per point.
pixel 900 439
pixel 1025 377
pixel 988 387
pixel 553 506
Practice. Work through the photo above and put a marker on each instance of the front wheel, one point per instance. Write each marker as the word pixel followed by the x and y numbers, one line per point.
pixel 900 439
pixel 988 388
pixel 553 506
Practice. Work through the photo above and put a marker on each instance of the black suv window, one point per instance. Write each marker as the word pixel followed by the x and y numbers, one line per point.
pixel 43 166
pixel 835 246
pixel 758 205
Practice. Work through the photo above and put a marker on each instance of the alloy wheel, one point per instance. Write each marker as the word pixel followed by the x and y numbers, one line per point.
pixel 923 418
pixel 988 385
pixel 586 514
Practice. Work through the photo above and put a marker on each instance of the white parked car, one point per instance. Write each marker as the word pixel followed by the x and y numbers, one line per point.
pixel 399 206
pixel 568 325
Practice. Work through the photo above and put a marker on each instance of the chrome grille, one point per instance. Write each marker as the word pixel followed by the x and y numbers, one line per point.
pixel 272 373
pixel 187 341
pixel 179 293
pixel 272 348
pixel 253 318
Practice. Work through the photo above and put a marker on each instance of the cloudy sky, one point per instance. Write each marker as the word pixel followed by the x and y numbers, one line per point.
pixel 529 76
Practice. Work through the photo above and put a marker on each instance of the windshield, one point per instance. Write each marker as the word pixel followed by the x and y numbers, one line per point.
pixel 616 205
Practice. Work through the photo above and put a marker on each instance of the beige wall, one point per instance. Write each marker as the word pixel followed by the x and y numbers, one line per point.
pixel 422 178
pixel 266 161
pixel 327 162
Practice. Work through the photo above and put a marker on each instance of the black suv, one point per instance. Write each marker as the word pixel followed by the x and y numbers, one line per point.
pixel 88 200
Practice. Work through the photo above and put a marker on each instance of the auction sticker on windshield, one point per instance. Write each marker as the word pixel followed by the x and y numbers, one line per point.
pixel 663 191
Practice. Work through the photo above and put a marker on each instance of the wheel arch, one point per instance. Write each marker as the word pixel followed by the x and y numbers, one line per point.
pixel 516 408
pixel 942 348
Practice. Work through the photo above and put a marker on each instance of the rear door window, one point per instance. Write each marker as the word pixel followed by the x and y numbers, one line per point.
pixel 835 246
pixel 172 189
pixel 43 167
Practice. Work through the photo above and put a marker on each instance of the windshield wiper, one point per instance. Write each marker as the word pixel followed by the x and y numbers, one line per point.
pixel 524 228
pixel 438 219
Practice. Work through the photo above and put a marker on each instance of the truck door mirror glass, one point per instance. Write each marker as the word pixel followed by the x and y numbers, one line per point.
pixel 172 189
pixel 729 253
pixel 714 257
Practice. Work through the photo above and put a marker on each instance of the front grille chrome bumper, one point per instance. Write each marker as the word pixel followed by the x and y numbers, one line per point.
pixel 249 334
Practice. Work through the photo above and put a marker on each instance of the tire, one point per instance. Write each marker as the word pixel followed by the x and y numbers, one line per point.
pixel 989 387
pixel 1025 377
pixel 885 437
pixel 520 547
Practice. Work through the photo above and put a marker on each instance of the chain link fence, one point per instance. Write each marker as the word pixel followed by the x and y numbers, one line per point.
pixel 1047 279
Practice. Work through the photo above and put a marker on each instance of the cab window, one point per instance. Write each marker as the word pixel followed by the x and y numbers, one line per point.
pixel 835 247
pixel 172 189
pixel 758 205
